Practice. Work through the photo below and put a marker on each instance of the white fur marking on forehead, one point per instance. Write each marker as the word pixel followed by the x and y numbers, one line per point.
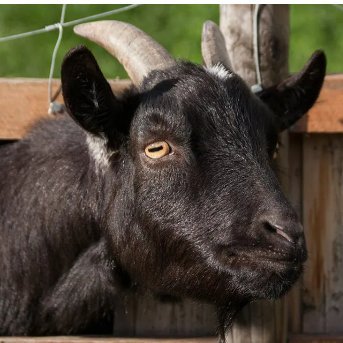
pixel 220 71
pixel 98 151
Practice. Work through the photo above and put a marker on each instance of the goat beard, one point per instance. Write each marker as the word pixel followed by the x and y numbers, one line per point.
pixel 226 315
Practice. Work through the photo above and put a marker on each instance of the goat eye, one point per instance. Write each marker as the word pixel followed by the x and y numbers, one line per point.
pixel 157 149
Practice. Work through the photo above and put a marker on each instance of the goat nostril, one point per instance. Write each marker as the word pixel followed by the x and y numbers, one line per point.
pixel 284 235
pixel 279 231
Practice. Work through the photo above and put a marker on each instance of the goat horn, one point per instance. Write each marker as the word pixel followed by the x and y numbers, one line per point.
pixel 135 50
pixel 213 46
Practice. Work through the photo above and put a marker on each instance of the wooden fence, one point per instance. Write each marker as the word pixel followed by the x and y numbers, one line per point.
pixel 316 181
pixel 315 163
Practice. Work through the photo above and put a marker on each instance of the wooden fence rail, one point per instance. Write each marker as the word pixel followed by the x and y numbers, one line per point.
pixel 24 101
pixel 327 115
pixel 316 339
pixel 71 339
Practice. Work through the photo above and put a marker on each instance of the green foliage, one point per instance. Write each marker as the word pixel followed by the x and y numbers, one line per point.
pixel 177 27
pixel 316 27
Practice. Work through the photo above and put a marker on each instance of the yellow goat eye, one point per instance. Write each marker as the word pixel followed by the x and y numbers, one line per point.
pixel 157 149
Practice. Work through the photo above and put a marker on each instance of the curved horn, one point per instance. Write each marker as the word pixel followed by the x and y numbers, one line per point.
pixel 213 46
pixel 135 50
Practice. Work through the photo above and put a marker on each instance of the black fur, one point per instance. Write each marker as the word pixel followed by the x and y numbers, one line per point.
pixel 85 214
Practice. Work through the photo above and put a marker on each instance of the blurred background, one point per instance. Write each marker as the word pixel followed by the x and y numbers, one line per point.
pixel 177 27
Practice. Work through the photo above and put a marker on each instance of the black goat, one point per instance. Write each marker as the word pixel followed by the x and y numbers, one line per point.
pixel 168 188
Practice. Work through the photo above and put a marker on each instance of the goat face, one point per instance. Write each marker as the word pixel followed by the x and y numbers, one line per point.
pixel 195 209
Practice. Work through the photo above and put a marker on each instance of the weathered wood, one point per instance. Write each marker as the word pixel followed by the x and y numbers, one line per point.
pixel 295 195
pixel 323 222
pixel 71 339
pixel 145 316
pixel 327 115
pixel 262 322
pixel 252 325
pixel 24 101
pixel 236 23
pixel 316 339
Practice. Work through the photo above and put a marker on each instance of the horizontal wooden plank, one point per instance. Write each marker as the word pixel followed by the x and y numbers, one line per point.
pixel 327 114
pixel 90 339
pixel 316 339
pixel 24 101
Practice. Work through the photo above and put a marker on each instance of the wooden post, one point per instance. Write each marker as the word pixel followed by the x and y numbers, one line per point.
pixel 263 321
pixel 236 23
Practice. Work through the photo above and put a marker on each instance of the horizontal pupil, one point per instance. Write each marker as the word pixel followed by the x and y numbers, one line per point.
pixel 155 149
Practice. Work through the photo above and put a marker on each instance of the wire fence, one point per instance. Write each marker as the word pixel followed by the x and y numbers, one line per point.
pixel 53 106
pixel 56 26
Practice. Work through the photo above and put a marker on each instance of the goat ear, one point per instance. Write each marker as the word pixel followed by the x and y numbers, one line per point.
pixel 296 95
pixel 88 96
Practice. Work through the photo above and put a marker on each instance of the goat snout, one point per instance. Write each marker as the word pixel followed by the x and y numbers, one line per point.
pixel 290 231
pixel 283 229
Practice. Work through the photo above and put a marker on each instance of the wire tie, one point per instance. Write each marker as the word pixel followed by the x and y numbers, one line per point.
pixel 256 88
pixel 52 27
pixel 56 108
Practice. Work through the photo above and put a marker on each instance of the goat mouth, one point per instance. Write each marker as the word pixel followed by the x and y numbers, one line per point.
pixel 262 259
pixel 261 273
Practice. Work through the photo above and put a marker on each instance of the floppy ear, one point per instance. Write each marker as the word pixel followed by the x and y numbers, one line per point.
pixel 88 96
pixel 293 97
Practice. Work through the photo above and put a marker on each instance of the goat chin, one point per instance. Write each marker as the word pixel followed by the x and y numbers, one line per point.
pixel 267 279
